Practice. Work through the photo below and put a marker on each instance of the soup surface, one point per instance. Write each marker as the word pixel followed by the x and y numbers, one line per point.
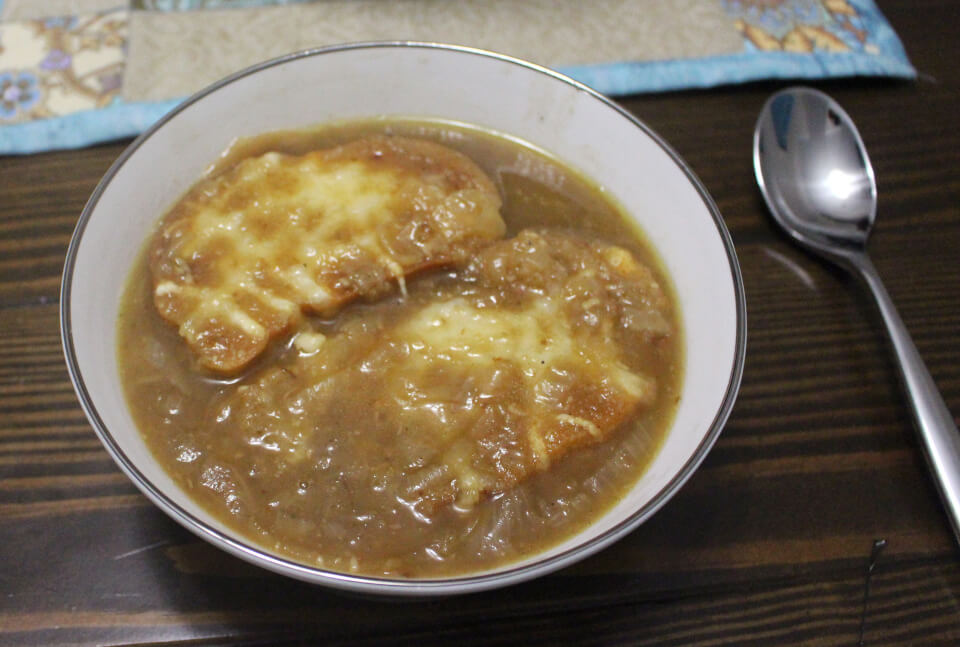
pixel 482 395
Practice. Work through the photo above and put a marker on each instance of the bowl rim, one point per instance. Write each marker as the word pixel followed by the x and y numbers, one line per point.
pixel 382 585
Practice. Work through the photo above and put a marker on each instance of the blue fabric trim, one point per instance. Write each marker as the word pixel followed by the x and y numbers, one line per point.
pixel 82 128
pixel 885 38
pixel 659 76
pixel 129 119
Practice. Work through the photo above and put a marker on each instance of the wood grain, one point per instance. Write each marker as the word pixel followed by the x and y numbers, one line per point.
pixel 769 542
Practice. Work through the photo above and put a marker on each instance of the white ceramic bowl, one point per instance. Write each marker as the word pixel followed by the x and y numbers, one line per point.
pixel 579 126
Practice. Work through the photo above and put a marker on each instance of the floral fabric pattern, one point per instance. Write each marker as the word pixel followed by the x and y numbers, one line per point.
pixel 18 93
pixel 801 26
pixel 61 65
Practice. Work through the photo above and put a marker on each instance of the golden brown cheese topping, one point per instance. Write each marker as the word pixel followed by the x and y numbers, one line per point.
pixel 245 253
pixel 483 381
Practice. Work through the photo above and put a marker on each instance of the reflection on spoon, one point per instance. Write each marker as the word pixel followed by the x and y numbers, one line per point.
pixel 793 266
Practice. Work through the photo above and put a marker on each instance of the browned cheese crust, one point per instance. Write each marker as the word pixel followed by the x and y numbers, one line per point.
pixel 241 256
pixel 486 382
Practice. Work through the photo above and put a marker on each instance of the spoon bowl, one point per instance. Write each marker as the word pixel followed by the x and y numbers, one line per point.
pixel 814 172
pixel 816 178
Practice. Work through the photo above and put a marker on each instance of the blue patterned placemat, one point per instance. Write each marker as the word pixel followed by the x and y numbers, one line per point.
pixel 60 77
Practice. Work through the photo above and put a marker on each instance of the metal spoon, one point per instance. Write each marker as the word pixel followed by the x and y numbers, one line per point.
pixel 817 180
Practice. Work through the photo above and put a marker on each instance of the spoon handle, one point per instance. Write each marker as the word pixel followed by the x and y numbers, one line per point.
pixel 938 430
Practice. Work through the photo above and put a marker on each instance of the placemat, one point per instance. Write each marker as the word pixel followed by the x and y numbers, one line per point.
pixel 78 72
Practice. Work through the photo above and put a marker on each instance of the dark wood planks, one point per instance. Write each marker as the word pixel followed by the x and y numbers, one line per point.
pixel 43 196
pixel 768 543
pixel 908 602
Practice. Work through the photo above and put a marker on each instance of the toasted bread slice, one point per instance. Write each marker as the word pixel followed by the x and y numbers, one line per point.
pixel 239 258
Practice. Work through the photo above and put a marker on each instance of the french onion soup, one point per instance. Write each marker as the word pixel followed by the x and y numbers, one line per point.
pixel 400 348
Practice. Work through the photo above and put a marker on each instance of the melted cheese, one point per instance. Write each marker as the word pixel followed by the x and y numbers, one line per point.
pixel 476 384
pixel 244 253
pixel 540 344
pixel 536 339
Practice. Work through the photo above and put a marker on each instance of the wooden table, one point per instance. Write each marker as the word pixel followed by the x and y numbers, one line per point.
pixel 771 540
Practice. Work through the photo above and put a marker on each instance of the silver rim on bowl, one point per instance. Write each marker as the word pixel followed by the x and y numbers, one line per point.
pixel 380 585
